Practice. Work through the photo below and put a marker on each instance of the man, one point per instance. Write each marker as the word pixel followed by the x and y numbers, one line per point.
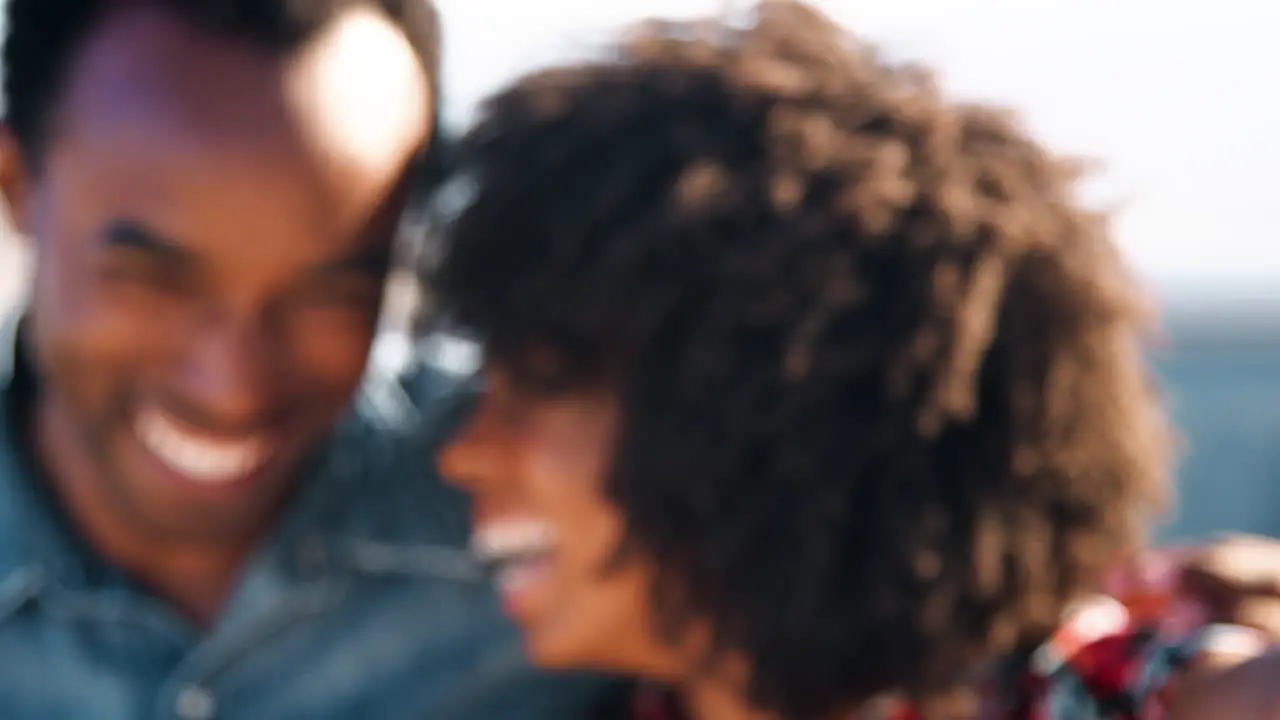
pixel 211 189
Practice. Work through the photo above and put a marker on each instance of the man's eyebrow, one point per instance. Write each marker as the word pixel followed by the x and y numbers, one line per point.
pixel 130 235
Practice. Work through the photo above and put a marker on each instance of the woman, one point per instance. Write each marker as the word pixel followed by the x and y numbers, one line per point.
pixel 805 385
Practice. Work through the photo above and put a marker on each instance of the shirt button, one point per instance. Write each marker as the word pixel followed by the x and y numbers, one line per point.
pixel 196 703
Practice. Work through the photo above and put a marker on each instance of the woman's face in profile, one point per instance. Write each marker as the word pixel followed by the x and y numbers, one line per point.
pixel 535 466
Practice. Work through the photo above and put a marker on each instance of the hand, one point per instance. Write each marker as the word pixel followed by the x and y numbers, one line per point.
pixel 1244 692
pixel 1232 584
pixel 1234 580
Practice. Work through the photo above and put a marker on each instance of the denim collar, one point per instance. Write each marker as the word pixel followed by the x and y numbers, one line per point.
pixel 27 547
pixel 370 507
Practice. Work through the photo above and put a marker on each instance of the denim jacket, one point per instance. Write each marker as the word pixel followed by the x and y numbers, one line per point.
pixel 363 604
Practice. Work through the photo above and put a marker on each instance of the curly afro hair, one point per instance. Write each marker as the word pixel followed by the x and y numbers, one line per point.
pixel 885 406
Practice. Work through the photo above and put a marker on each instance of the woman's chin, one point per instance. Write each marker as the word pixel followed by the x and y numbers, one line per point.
pixel 549 652
pixel 556 660
pixel 559 654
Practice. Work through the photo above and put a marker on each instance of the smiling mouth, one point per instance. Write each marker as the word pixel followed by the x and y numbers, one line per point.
pixel 202 460
pixel 516 551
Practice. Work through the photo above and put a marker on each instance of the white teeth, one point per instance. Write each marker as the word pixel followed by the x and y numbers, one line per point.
pixel 516 578
pixel 500 540
pixel 209 462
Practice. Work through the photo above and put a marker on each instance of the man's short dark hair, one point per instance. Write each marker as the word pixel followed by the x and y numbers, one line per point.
pixel 885 411
pixel 45 36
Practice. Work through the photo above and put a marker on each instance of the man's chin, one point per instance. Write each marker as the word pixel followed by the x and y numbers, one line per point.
pixel 185 520
pixel 181 508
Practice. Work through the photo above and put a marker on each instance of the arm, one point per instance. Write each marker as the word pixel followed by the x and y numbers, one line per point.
pixel 1250 691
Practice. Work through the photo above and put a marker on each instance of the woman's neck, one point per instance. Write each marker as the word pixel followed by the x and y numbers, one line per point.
pixel 714 699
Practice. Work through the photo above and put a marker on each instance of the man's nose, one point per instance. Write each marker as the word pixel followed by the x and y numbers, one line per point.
pixel 230 372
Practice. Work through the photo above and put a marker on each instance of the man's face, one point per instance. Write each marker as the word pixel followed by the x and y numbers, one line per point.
pixel 212 227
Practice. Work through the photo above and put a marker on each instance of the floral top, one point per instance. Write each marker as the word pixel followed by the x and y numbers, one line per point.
pixel 1104 663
